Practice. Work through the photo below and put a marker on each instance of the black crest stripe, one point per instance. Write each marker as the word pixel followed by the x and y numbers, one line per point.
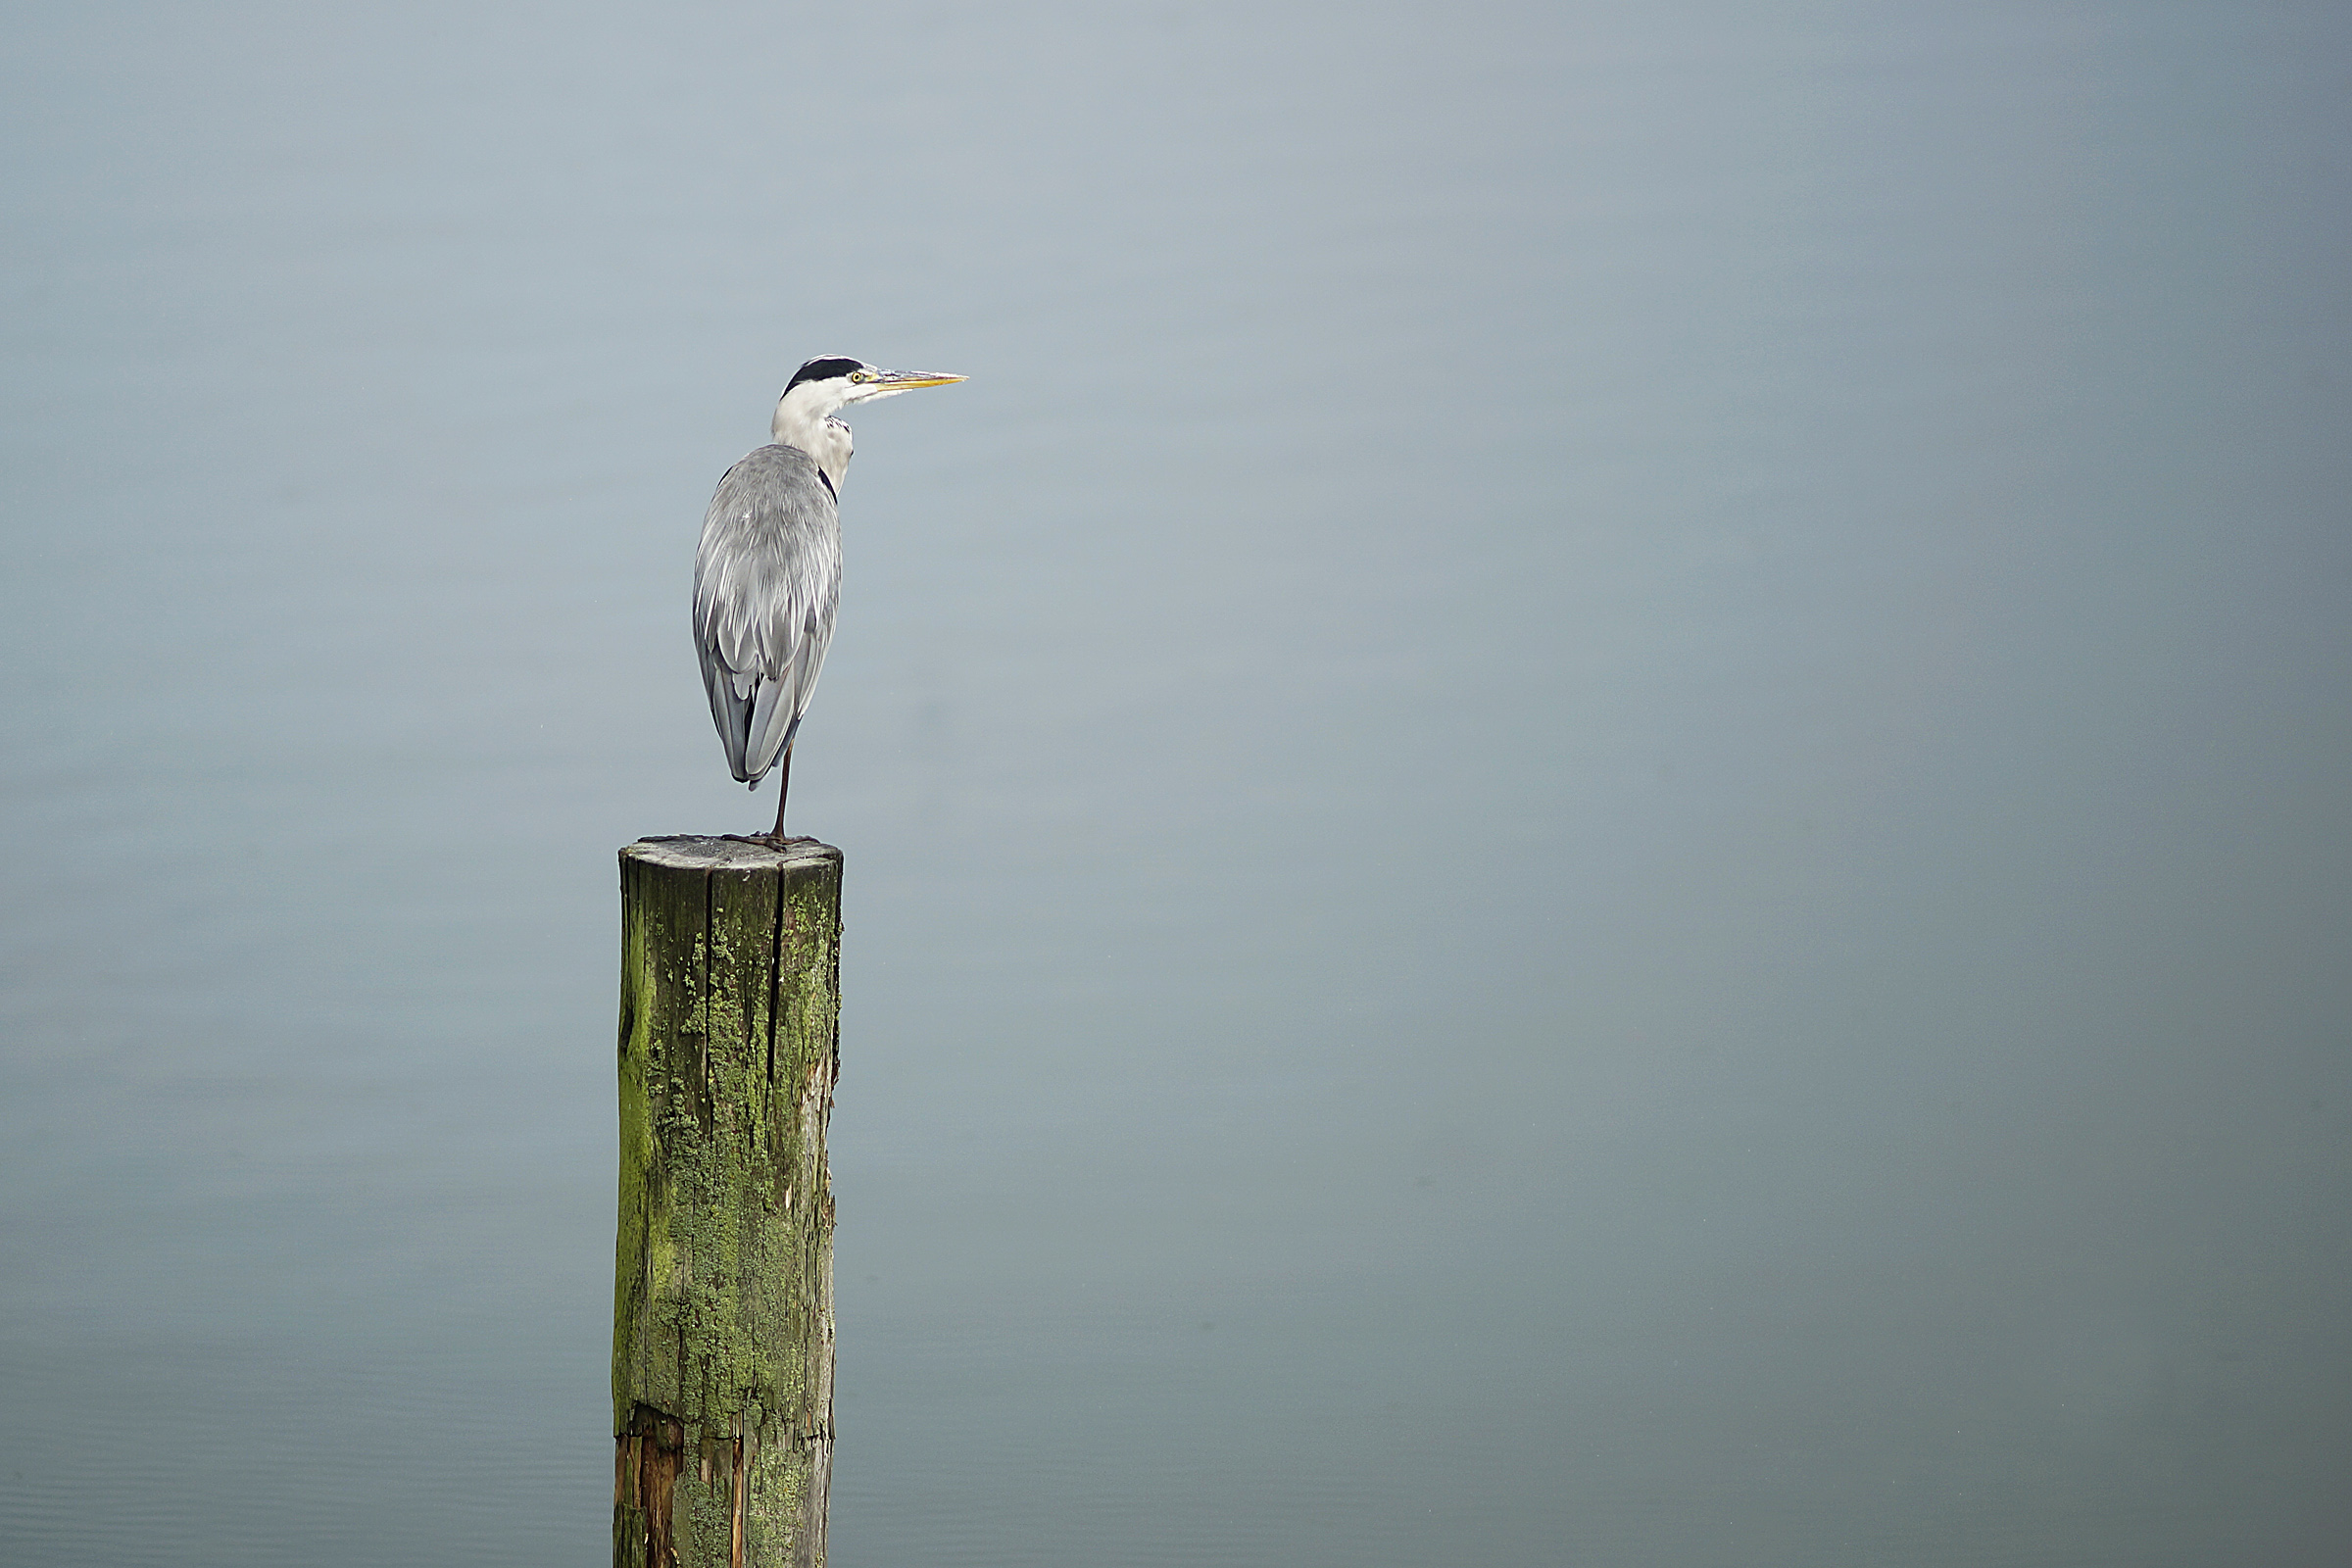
pixel 821 371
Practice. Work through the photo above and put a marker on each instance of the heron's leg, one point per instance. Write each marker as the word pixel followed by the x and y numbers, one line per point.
pixel 783 782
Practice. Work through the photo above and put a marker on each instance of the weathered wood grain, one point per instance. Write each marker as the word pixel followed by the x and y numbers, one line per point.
pixel 723 1298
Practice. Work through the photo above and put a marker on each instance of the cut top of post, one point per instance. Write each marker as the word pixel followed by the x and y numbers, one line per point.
pixel 689 852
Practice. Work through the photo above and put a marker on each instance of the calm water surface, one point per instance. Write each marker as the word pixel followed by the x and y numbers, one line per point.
pixel 1595 794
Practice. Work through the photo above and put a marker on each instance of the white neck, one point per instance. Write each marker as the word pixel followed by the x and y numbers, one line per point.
pixel 805 420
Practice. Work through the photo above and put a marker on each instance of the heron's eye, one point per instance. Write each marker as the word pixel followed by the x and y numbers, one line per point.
pixel 858 376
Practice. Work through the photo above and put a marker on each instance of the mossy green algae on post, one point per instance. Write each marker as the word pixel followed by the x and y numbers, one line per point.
pixel 722 1302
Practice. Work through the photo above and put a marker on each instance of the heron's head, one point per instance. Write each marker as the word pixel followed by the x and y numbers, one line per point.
pixel 826 384
pixel 831 381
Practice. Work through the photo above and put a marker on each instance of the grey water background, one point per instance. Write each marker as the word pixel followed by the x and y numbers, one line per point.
pixel 1597 794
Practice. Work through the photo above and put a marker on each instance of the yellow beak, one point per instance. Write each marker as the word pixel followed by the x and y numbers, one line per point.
pixel 909 380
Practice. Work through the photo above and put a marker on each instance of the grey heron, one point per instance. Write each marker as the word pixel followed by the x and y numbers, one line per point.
pixel 767 576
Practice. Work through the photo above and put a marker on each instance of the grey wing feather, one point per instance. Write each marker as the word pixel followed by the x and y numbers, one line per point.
pixel 766 580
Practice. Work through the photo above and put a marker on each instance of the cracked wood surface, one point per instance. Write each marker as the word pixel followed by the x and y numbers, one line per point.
pixel 723 1298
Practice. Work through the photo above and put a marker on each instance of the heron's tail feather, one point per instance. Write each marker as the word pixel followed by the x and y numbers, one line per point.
pixel 730 711
pixel 774 718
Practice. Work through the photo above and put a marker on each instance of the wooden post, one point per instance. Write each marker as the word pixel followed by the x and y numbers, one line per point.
pixel 723 1291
